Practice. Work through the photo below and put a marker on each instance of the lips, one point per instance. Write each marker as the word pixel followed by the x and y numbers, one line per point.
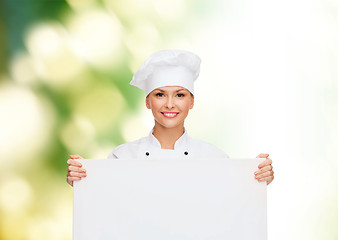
pixel 169 114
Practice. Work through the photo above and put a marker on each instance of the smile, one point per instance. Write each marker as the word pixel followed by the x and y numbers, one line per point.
pixel 169 114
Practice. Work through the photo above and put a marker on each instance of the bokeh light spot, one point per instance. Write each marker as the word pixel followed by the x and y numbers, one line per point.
pixel 22 69
pixel 143 39
pixel 78 135
pixel 15 194
pixel 54 59
pixel 102 106
pixel 135 126
pixel 97 35
pixel 24 124
pixel 41 228
pixel 170 10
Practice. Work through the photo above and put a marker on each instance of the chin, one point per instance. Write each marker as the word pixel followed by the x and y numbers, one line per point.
pixel 169 125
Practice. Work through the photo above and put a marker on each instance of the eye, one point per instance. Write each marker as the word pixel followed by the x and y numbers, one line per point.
pixel 159 94
pixel 180 95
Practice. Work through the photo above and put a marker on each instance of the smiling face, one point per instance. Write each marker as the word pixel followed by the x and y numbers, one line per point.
pixel 170 105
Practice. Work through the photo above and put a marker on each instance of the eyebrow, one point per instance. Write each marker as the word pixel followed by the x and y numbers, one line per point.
pixel 181 89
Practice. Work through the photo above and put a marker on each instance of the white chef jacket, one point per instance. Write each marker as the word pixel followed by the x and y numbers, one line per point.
pixel 150 148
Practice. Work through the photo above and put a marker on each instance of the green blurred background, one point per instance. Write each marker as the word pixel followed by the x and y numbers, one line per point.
pixel 268 83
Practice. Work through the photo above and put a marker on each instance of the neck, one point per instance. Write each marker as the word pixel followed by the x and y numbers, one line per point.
pixel 167 136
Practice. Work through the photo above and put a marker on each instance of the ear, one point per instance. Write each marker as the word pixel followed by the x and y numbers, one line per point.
pixel 147 102
pixel 192 102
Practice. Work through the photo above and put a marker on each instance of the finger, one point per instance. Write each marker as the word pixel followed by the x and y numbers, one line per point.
pixel 74 178
pixel 76 169
pixel 266 179
pixel 263 155
pixel 265 174
pixel 262 179
pixel 75 157
pixel 270 179
pixel 74 163
pixel 76 174
pixel 71 179
pixel 266 162
pixel 70 182
pixel 264 169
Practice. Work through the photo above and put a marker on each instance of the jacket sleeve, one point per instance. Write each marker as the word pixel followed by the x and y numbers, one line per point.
pixel 117 152
pixel 112 156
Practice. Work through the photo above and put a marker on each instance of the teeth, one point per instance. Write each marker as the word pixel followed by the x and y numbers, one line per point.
pixel 170 114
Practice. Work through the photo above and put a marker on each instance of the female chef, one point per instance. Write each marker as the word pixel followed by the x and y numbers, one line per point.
pixel 168 78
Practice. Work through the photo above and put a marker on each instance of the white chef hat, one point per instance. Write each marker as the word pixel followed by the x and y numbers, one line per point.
pixel 168 68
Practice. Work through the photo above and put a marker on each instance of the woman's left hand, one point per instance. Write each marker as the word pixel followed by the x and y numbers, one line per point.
pixel 265 172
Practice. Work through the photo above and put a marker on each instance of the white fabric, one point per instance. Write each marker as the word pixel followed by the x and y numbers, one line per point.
pixel 170 76
pixel 180 68
pixel 185 144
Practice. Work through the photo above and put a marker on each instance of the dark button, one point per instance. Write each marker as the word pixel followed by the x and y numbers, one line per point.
pixel 186 153
pixel 147 153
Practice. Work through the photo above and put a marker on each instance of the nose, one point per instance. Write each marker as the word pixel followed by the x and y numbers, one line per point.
pixel 170 102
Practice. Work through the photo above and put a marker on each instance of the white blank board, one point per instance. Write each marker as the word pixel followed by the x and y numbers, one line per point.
pixel 170 200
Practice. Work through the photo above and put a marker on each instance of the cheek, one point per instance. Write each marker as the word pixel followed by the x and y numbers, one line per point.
pixel 184 105
pixel 155 104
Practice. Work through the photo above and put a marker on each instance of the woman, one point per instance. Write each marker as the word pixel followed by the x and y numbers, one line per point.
pixel 168 78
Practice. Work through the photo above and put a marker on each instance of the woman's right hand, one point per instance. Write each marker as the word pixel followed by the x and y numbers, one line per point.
pixel 75 170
